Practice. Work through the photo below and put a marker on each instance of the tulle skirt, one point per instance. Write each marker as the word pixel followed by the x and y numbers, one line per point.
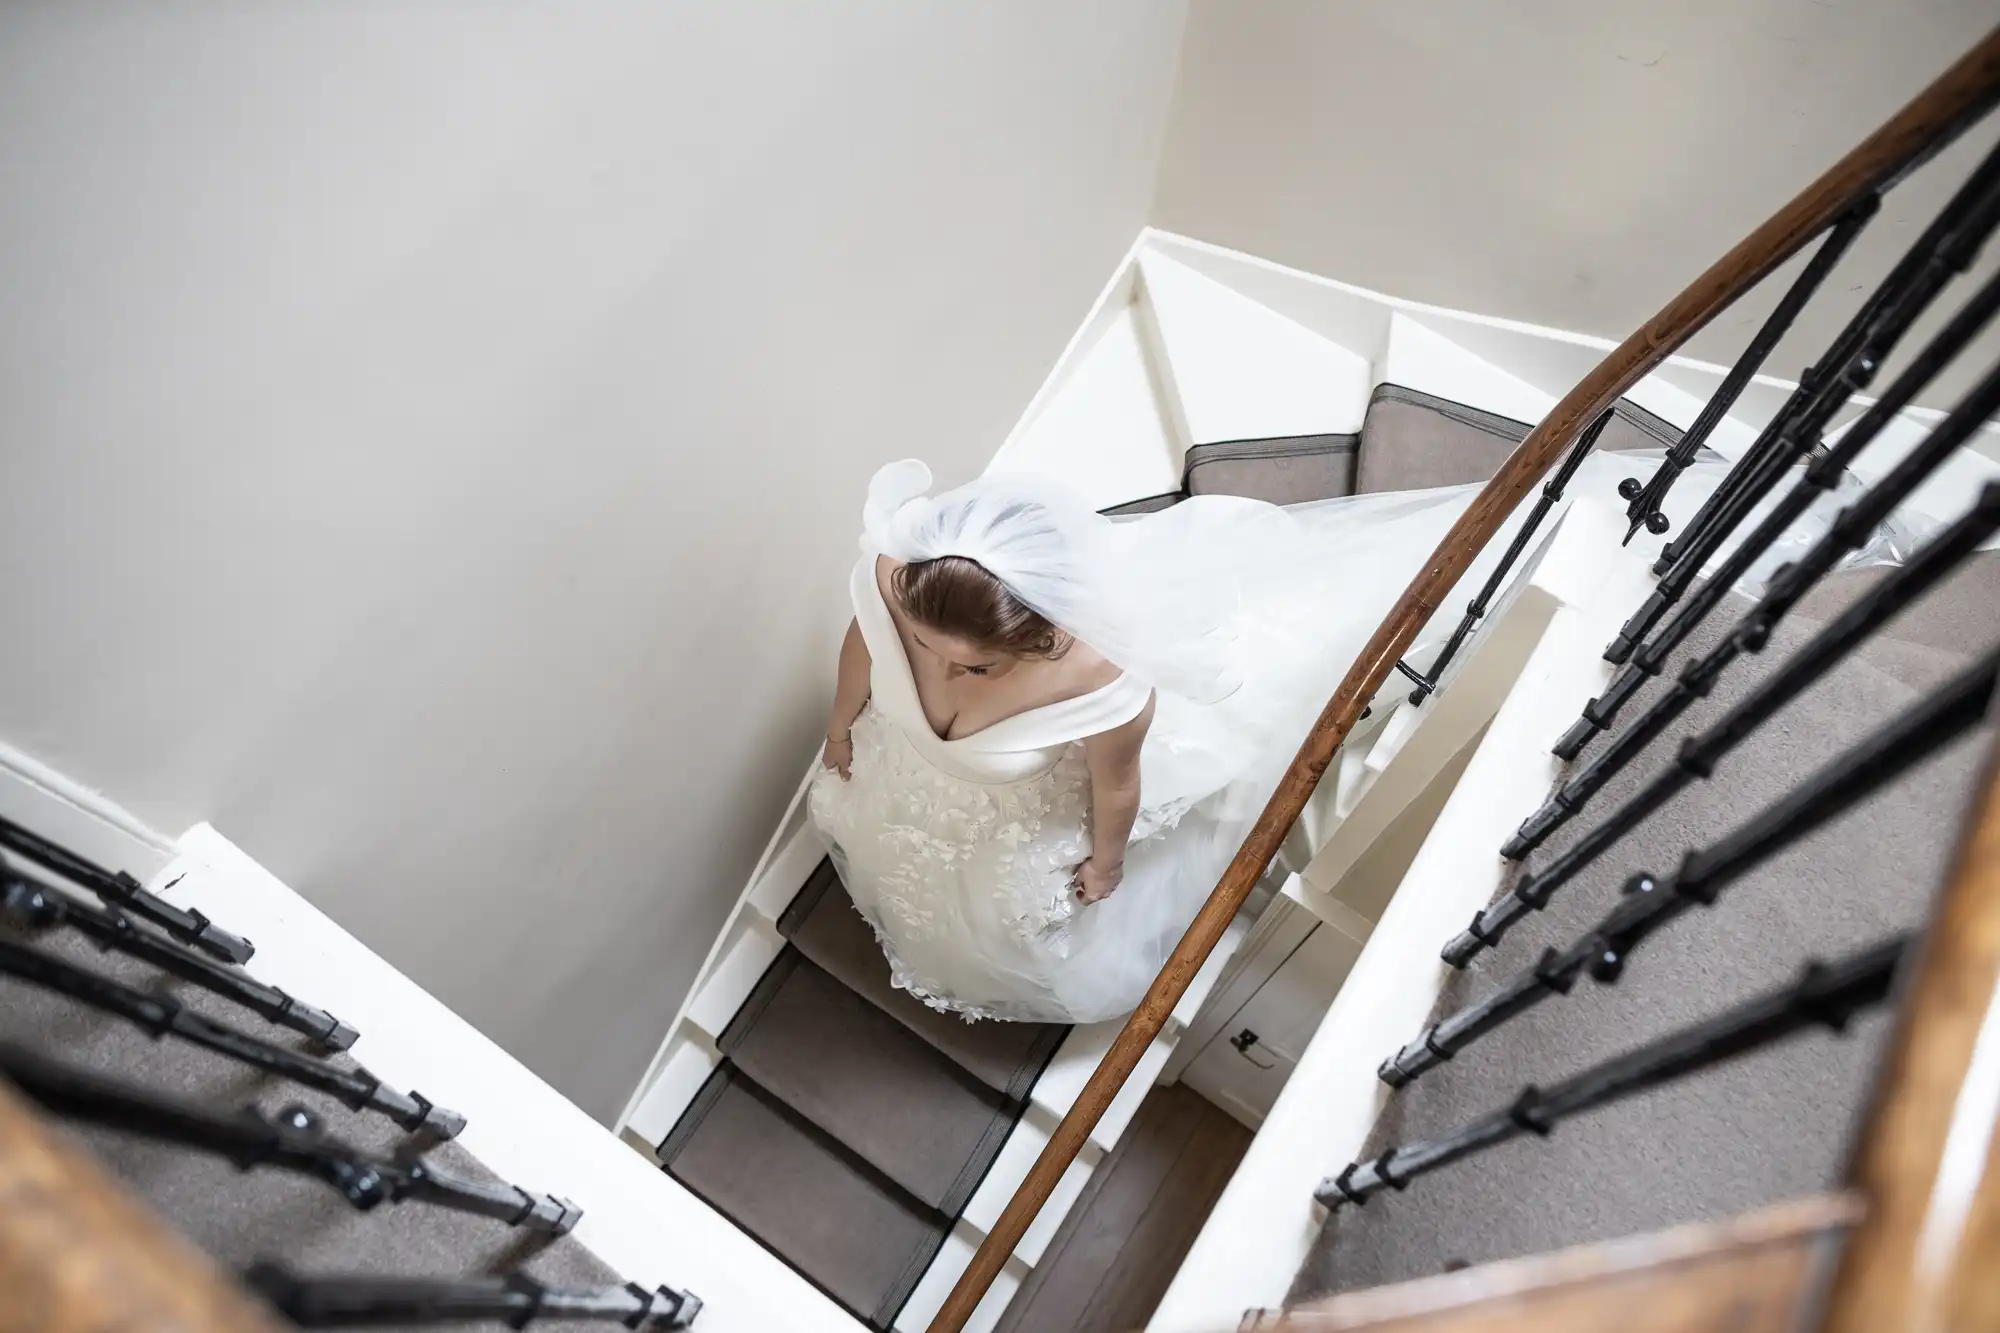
pixel 968 885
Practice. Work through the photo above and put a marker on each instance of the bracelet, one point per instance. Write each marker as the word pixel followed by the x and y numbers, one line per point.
pixel 832 739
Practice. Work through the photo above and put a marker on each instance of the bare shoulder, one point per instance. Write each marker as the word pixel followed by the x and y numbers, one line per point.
pixel 1087 668
pixel 1120 746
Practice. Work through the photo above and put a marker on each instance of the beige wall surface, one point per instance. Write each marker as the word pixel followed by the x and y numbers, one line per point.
pixel 435 433
pixel 1570 163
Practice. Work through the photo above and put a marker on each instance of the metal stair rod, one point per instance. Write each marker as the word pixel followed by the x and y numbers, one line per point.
pixel 516 1300
pixel 1699 755
pixel 1851 528
pixel 1887 307
pixel 37 907
pixel 1947 247
pixel 160 1015
pixel 185 924
pixel 1476 610
pixel 1848 532
pixel 1824 996
pixel 1649 903
pixel 1644 509
pixel 292 1142
pixel 1822 476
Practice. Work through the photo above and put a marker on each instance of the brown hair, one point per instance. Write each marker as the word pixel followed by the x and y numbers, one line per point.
pixel 959 597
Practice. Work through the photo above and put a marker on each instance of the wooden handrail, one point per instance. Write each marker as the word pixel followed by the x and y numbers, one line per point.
pixel 1968 88
pixel 1746 1274
pixel 78 1256
pixel 1926 1255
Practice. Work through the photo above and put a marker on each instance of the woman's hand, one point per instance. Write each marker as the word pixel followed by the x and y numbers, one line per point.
pixel 850 696
pixel 1096 881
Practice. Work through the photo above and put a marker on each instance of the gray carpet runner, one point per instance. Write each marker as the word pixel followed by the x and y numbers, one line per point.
pixel 824 926
pixel 849 1124
pixel 1409 440
pixel 856 1234
pixel 1412 440
pixel 1282 471
pixel 910 1114
pixel 238 1217
pixel 1773 1125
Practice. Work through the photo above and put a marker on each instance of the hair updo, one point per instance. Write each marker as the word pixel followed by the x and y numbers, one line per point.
pixel 957 596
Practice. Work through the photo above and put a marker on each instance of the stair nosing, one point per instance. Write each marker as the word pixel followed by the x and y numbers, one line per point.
pixel 1493 423
pixel 1018 1093
pixel 1006 1114
pixel 729 1074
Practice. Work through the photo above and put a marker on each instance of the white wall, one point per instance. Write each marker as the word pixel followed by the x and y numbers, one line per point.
pixel 1570 163
pixel 433 433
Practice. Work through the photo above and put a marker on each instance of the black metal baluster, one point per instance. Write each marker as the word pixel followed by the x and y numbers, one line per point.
pixel 1821 477
pixel 1851 528
pixel 1699 755
pixel 1947 247
pixel 37 907
pixel 1848 532
pixel 1824 996
pixel 185 924
pixel 1644 509
pixel 292 1142
pixel 1475 611
pixel 1651 903
pixel 516 1300
pixel 160 1015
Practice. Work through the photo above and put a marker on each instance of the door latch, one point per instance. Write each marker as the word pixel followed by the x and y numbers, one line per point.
pixel 1243 1041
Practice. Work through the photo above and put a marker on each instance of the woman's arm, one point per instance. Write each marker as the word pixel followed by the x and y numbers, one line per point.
pixel 1113 761
pixel 850 696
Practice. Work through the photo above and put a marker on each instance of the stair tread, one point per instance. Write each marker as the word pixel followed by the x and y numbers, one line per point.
pixel 1703 1146
pixel 854 1235
pixel 1955 617
pixel 238 1216
pixel 822 923
pixel 1287 470
pixel 1413 440
pixel 869 1082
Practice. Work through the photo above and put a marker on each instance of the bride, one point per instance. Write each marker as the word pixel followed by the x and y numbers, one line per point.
pixel 1052 730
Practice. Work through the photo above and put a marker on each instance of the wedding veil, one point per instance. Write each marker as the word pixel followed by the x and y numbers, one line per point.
pixel 1161 608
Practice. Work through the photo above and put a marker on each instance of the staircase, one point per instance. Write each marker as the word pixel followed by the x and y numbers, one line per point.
pixel 848 1127
pixel 849 1124
pixel 813 1105
pixel 240 1217
pixel 1627 1170
pixel 801 1107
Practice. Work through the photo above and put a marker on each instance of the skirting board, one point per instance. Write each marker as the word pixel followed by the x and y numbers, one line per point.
pixel 87 822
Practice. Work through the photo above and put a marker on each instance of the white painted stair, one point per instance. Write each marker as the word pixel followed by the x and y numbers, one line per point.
pixel 1187 346
pixel 1192 345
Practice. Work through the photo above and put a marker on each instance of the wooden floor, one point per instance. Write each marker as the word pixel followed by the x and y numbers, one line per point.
pixel 1118 1249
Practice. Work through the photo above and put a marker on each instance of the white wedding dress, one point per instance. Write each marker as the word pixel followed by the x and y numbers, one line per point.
pixel 960 853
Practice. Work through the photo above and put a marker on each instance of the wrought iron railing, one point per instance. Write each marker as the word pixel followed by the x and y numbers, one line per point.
pixel 1696 572
pixel 40 882
pixel 1824 995
pixel 1777 483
